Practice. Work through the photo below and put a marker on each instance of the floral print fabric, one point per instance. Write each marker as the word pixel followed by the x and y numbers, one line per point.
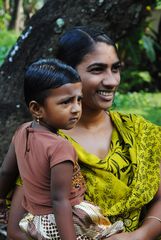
pixel 128 177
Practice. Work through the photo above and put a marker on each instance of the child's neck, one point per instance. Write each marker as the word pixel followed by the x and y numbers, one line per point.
pixel 45 126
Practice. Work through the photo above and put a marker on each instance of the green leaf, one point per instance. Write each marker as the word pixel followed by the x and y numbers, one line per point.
pixel 148 45
pixel 158 6
pixel 145 75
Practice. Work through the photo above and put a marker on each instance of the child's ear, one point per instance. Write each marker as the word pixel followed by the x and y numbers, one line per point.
pixel 35 109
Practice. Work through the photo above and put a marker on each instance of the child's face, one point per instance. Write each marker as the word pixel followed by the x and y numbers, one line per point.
pixel 62 108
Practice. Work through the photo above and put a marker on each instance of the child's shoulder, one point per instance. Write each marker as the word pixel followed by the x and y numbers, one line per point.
pixel 21 128
pixel 52 140
pixel 61 142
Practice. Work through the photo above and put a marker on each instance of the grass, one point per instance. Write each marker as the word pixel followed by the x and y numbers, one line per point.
pixel 146 104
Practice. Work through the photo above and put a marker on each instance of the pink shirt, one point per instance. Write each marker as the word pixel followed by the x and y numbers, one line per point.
pixel 37 151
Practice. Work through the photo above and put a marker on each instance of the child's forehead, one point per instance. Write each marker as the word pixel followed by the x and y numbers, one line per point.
pixel 70 89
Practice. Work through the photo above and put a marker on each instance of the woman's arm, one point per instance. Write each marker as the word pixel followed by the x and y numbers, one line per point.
pixel 8 176
pixel 15 215
pixel 8 172
pixel 151 227
pixel 61 180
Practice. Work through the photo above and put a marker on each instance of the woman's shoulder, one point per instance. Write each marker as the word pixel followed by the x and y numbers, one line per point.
pixel 135 122
pixel 125 118
pixel 129 118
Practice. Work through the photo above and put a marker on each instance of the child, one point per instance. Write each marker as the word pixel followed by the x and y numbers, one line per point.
pixel 53 185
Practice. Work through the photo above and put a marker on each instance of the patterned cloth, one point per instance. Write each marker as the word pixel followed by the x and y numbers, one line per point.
pixel 3 211
pixel 88 221
pixel 129 175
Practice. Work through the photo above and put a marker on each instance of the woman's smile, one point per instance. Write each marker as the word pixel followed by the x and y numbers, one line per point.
pixel 106 94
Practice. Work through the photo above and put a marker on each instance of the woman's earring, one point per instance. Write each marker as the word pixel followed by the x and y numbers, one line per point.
pixel 38 119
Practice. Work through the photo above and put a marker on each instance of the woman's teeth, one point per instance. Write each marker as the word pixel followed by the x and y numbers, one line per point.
pixel 104 93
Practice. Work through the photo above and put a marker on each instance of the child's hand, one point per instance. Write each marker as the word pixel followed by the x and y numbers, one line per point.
pixel 3 212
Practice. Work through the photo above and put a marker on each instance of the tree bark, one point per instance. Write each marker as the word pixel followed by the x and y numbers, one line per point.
pixel 38 40
pixel 6 5
pixel 17 20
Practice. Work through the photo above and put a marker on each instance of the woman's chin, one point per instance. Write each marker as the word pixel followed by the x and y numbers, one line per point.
pixel 106 106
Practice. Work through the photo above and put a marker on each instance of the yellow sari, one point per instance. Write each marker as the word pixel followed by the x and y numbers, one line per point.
pixel 128 177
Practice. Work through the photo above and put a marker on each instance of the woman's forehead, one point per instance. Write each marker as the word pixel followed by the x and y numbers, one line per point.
pixel 101 53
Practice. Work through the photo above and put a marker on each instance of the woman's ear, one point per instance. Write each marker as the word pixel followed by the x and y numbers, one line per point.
pixel 35 109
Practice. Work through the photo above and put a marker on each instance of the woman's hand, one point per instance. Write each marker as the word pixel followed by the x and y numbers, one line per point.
pixel 136 235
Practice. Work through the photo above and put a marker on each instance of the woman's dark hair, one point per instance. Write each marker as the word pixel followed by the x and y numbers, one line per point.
pixel 74 44
pixel 46 74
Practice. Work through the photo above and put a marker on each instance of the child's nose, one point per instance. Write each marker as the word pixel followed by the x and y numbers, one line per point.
pixel 76 107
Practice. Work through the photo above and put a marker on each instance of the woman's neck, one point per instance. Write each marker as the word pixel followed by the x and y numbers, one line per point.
pixel 91 118
pixel 93 132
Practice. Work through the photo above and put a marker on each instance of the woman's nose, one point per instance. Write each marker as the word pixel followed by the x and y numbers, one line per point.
pixel 111 80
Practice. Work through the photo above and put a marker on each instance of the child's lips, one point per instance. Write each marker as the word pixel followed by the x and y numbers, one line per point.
pixel 74 119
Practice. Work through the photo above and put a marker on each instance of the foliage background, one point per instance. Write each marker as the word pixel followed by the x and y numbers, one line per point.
pixel 140 54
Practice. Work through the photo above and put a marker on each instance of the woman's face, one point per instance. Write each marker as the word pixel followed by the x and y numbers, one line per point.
pixel 100 75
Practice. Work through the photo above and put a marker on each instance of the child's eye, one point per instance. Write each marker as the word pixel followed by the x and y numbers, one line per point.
pixel 66 101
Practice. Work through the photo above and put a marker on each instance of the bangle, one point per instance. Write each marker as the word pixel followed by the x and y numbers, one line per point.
pixel 154 217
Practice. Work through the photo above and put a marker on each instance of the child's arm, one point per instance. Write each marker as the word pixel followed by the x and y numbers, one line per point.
pixel 61 180
pixel 8 172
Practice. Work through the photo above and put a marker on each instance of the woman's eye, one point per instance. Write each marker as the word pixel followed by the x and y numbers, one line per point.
pixel 96 70
pixel 116 69
pixel 79 99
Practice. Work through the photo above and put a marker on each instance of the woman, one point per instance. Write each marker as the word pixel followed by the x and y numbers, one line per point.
pixel 115 150
pixel 119 153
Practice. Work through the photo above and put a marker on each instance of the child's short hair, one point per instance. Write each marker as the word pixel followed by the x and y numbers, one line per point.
pixel 46 74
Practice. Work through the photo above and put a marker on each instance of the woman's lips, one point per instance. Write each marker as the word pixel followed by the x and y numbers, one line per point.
pixel 106 94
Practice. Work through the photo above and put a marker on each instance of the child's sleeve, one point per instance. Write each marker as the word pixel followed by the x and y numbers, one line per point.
pixel 63 152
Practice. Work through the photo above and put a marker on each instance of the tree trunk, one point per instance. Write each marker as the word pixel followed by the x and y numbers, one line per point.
pixel 6 5
pixel 17 20
pixel 39 39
